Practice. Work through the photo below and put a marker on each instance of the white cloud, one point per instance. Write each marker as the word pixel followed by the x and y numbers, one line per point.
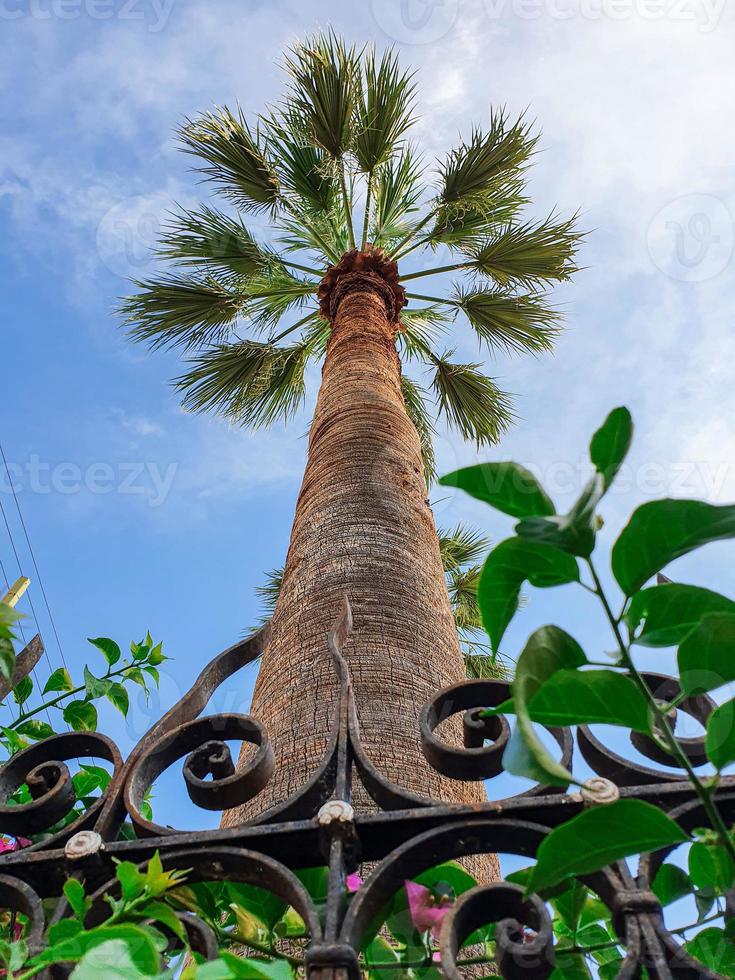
pixel 635 115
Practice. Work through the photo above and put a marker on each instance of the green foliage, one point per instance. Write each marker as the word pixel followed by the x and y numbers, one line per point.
pixel 72 704
pixel 556 685
pixel 600 836
pixel 334 151
pixel 508 487
pixel 8 616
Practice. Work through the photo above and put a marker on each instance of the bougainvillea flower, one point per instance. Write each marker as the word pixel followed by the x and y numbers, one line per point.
pixel 8 843
pixel 426 914
pixel 353 882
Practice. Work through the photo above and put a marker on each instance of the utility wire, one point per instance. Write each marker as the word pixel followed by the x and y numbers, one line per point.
pixel 30 600
pixel 33 557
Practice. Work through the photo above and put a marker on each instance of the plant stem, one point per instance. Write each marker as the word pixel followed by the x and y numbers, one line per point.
pixel 431 299
pixel 672 744
pixel 397 251
pixel 435 272
pixel 347 203
pixel 303 268
pixel 368 202
pixel 65 694
pixel 288 330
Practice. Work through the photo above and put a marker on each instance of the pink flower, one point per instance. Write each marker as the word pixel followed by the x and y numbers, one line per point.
pixel 353 881
pixel 426 915
pixel 8 843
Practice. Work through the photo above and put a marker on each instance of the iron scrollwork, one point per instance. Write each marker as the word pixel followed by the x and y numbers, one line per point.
pixel 405 835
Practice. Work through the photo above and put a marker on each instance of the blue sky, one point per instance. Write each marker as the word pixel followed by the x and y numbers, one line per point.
pixel 143 517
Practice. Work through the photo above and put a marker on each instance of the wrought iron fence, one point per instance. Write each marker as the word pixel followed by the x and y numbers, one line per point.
pixel 316 826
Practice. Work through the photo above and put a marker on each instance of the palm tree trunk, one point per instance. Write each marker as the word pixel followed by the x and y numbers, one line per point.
pixel 364 528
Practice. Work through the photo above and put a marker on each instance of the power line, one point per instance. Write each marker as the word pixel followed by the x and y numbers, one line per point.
pixel 33 558
pixel 30 600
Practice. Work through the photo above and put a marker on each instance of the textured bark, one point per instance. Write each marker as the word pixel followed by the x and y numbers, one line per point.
pixel 364 528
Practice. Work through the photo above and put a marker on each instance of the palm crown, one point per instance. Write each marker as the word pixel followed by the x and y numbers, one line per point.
pixel 333 169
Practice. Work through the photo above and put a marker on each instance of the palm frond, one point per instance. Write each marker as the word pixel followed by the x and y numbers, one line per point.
pixel 248 383
pixel 420 328
pixel 414 399
pixel 471 172
pixel 384 107
pixel 210 238
pixel 506 321
pixel 272 293
pixel 481 664
pixel 396 193
pixel 181 311
pixel 304 170
pixel 460 546
pixel 322 232
pixel 324 74
pixel 235 159
pixel 463 226
pixel 527 254
pixel 270 591
pixel 472 403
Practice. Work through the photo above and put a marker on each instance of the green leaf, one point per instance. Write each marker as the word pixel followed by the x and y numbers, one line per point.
pixel 64 929
pixel 601 835
pixel 325 75
pixel 471 402
pixel 113 958
pixel 315 881
pixel 165 915
pixel 447 878
pixel 132 881
pixel 720 739
pixel 506 321
pixel 509 487
pixel 23 690
pixel 713 948
pixel 260 902
pixel 506 568
pixel 155 657
pixel 381 954
pixel 610 444
pixel 711 867
pixel 118 696
pixel 662 530
pixel 570 967
pixel 81 715
pixel 235 158
pixel 248 969
pixel 76 897
pixel 570 903
pixel 529 254
pixel 109 649
pixel 37 730
pixel 705 655
pixel 669 611
pixel 384 110
pixel 548 650
pixel 97 687
pixel 670 884
pixel 59 681
pixel 7 657
pixel 573 532
pixel 584 697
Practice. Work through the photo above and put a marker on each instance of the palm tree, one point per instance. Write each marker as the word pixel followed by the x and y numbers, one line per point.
pixel 352 219
pixel 461 549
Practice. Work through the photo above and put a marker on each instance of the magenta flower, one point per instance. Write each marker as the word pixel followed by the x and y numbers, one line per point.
pixel 426 914
pixel 8 843
pixel 353 881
